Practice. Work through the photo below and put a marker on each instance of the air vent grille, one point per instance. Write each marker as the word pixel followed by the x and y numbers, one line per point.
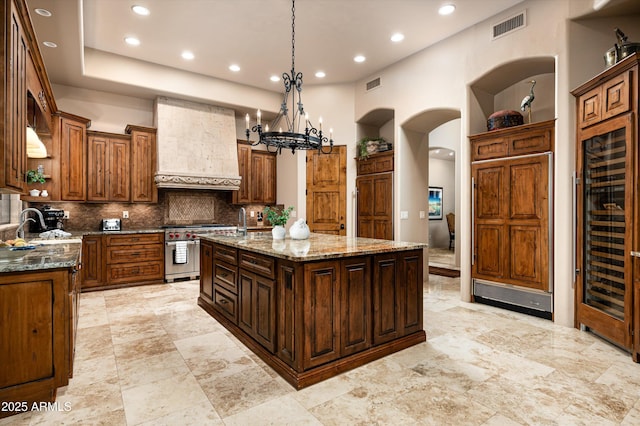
pixel 513 23
pixel 373 84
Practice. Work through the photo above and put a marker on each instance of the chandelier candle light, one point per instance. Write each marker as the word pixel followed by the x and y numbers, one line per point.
pixel 292 138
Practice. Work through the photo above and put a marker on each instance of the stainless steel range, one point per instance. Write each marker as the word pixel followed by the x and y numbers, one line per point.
pixel 182 249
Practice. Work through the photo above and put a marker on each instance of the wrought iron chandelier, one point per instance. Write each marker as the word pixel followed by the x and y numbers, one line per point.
pixel 273 136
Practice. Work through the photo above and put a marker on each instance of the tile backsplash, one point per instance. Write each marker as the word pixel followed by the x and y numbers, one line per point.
pixel 174 207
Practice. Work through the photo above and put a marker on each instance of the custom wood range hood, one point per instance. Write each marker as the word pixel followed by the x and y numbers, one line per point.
pixel 196 146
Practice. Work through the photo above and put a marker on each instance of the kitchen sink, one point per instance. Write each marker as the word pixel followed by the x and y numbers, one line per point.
pixel 9 254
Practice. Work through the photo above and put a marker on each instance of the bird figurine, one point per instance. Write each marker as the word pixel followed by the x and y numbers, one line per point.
pixel 527 100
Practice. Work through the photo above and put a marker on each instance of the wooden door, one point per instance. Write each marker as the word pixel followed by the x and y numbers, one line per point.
pixel 243 195
pixel 387 298
pixel 326 191
pixel 605 229
pixel 355 305
pixel 16 106
pixel 143 165
pixel 119 183
pixel 322 314
pixel 206 270
pixel 97 163
pixel 72 160
pixel 92 262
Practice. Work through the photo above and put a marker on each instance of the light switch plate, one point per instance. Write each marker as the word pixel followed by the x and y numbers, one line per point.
pixel 125 214
pixel 404 214
pixel 422 214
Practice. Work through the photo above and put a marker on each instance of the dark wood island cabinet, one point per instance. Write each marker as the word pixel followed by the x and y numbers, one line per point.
pixel 312 309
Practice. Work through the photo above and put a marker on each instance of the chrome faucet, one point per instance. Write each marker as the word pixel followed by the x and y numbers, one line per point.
pixel 24 219
pixel 242 218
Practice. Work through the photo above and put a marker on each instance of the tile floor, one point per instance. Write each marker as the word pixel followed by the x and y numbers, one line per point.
pixel 150 356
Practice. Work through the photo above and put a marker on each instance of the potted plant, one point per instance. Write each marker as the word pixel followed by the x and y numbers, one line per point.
pixel 278 219
pixel 368 146
pixel 35 176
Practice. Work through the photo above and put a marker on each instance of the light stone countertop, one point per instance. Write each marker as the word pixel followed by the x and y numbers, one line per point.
pixel 317 247
pixel 43 257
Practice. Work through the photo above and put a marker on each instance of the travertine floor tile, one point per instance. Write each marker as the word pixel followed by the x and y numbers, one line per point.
pixel 150 356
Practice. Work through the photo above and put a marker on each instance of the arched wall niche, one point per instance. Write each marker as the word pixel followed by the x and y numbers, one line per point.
pixel 507 84
pixel 377 123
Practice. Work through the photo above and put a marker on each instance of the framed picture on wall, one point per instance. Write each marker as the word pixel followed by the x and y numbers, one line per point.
pixel 435 203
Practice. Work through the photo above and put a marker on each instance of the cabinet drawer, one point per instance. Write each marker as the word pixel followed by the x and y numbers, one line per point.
pixel 262 265
pixel 131 239
pixel 225 275
pixel 134 272
pixel 589 110
pixel 225 303
pixel 135 253
pixel 530 142
pixel 493 148
pixel 228 254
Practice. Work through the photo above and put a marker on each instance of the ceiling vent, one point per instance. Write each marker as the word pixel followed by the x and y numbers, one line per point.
pixel 373 84
pixel 509 25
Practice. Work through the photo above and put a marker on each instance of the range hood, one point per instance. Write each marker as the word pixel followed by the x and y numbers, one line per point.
pixel 196 146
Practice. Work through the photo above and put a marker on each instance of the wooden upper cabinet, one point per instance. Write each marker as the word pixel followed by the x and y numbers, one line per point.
pixel 143 164
pixel 512 141
pixel 14 103
pixel 374 186
pixel 243 195
pixel 258 172
pixel 108 165
pixel 70 133
pixel 263 177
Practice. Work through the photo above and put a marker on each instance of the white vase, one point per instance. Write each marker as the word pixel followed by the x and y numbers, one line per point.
pixel 299 230
pixel 278 232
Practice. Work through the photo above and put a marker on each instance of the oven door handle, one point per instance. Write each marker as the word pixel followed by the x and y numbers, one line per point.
pixel 173 243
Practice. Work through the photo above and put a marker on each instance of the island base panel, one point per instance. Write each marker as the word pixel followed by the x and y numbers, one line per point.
pixel 315 375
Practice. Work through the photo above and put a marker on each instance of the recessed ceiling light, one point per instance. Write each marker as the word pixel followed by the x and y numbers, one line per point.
pixel 132 41
pixel 43 12
pixel 320 74
pixel 397 37
pixel 437 151
pixel 451 153
pixel 359 58
pixel 274 78
pixel 447 9
pixel 188 55
pixel 140 10
pixel 49 44
pixel 234 67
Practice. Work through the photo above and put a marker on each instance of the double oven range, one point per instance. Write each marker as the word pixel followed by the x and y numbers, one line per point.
pixel 182 249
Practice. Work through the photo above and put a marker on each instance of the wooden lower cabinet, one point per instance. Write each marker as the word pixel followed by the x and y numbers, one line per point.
pixel 312 320
pixel 122 260
pixel 38 318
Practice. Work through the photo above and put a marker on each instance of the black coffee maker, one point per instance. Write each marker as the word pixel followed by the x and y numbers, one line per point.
pixel 52 219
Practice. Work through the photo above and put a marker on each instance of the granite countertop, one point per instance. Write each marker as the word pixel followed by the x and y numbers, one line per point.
pixel 317 247
pixel 45 256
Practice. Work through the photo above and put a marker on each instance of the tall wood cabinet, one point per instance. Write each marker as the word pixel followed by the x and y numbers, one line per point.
pixel 374 186
pixel 511 229
pixel 258 172
pixel 144 160
pixel 608 219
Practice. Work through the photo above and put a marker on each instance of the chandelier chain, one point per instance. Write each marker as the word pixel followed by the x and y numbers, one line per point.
pixel 293 37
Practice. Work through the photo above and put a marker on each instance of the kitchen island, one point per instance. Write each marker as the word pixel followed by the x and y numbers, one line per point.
pixel 312 309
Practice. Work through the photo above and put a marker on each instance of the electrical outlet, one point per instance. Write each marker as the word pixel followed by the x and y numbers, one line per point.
pixel 294 213
pixel 252 213
pixel 66 214
pixel 125 214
